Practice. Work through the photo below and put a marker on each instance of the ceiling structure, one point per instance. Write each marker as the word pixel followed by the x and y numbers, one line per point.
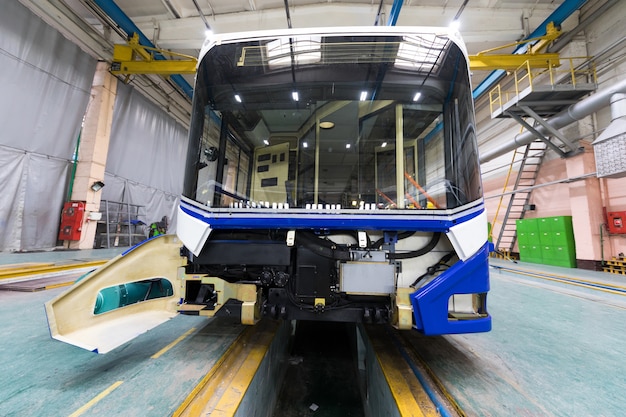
pixel 181 25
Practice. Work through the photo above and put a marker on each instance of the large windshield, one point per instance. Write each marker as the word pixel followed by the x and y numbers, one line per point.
pixel 346 122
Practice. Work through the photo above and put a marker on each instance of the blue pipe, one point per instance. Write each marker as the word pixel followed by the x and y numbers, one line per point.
pixel 395 12
pixel 558 16
pixel 128 26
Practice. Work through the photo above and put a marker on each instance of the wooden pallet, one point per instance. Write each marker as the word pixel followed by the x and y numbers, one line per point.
pixel 615 266
pixel 502 254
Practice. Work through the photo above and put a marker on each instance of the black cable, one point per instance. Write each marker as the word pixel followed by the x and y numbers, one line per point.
pixel 414 254
pixel 433 269
pixel 379 242
pixel 323 247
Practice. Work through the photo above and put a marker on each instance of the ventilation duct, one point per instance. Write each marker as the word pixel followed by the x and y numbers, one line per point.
pixel 610 146
pixel 568 116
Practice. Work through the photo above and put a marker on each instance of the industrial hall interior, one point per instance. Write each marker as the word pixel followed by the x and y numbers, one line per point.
pixel 290 208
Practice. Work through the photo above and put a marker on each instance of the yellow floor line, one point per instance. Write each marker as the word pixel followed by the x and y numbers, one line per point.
pixel 22 272
pixel 201 389
pixel 25 265
pixel 174 343
pixel 96 399
pixel 417 358
pixel 584 284
pixel 220 392
pixel 59 285
pixel 408 393
pixel 577 279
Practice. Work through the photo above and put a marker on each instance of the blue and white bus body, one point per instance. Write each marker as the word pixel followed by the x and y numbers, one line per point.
pixel 375 216
pixel 332 174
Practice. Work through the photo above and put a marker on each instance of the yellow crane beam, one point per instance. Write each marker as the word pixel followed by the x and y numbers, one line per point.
pixel 512 61
pixel 135 58
pixel 485 60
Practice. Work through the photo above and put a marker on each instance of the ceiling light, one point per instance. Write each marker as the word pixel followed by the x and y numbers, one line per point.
pixel 455 25
pixel 363 96
pixel 238 98
pixel 383 145
pixel 347 146
pixel 327 125
pixel 417 96
pixel 305 145
pixel 266 142
pixel 208 33
pixel 295 96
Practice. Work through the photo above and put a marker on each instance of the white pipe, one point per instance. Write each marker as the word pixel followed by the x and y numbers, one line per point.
pixel 618 106
pixel 568 116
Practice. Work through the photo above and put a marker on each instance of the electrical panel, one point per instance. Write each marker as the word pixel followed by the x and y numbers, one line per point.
pixel 617 222
pixel 72 220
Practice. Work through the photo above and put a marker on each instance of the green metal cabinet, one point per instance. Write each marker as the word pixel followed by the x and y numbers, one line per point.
pixel 547 240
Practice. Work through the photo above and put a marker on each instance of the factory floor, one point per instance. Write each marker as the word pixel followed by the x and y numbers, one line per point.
pixel 556 349
pixel 59 255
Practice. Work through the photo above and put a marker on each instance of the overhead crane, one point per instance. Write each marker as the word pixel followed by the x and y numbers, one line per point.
pixel 135 58
pixel 485 60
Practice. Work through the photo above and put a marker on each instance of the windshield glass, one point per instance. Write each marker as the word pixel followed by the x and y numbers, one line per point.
pixel 345 122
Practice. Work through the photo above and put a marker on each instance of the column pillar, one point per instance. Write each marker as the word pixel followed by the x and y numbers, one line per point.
pixel 586 205
pixel 93 150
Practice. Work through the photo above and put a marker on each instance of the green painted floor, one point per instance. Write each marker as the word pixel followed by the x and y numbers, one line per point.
pixel 59 255
pixel 44 377
pixel 555 350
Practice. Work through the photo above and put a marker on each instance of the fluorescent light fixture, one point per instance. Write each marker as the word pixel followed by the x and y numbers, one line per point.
pixel 383 145
pixel 347 146
pixel 455 25
pixel 238 98
pixel 266 142
pixel 305 145
pixel 295 96
pixel 208 33
pixel 363 96
pixel 417 96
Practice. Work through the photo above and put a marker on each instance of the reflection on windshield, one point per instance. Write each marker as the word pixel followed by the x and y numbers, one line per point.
pixel 331 141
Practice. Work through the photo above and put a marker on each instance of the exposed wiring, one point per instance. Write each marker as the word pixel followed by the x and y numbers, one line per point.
pixel 379 242
pixel 323 247
pixel 441 265
pixel 419 252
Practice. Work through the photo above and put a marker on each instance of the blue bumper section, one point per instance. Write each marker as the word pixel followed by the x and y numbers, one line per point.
pixel 430 303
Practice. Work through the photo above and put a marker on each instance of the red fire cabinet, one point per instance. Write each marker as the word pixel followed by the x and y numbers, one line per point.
pixel 617 221
pixel 72 220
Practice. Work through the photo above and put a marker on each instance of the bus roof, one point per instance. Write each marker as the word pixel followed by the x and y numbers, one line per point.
pixel 235 37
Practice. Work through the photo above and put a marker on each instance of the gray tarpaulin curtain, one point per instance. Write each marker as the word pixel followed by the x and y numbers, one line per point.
pixel 46 82
pixel 146 159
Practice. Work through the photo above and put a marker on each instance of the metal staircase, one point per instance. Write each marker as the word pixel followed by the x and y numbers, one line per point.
pixel 531 159
pixel 536 93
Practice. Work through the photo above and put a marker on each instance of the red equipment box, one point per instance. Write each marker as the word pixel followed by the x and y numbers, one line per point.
pixel 72 220
pixel 617 222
